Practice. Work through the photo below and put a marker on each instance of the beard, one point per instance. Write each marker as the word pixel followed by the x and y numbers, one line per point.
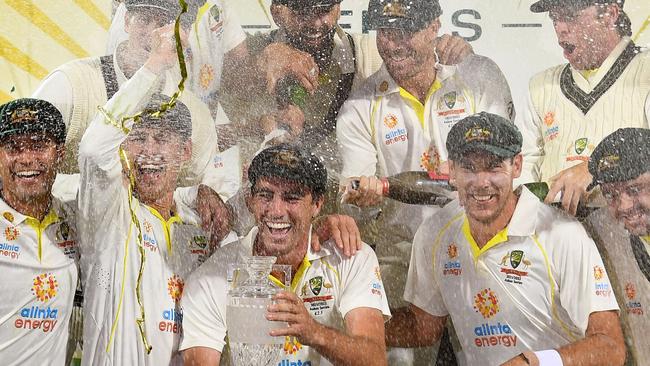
pixel 322 53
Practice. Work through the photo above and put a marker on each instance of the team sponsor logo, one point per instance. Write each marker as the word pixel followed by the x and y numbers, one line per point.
pixel 486 303
pixel 175 287
pixel 377 273
pixel 394 9
pixel 287 362
pixel 147 226
pixel 10 250
pixel 206 75
pixel 218 162
pixel 291 347
pixel 549 118
pixel 453 266
pixel 390 121
pixel 395 135
pixel 172 318
pixel 316 284
pixel 490 334
pixel 450 99
pixel 430 161
pixel 551 133
pixel 22 115
pixel 11 233
pixel 317 305
pixel 446 104
pixel 65 240
pixel 8 216
pixel 599 273
pixel 216 20
pixel 477 134
pixel 198 245
pixel 602 288
pixel 44 288
pixel 510 264
pixel 633 306
pixel 608 162
pixel 63 232
pixel 580 149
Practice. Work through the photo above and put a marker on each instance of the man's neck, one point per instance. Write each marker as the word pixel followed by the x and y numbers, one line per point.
pixel 35 207
pixel 420 84
pixel 609 45
pixel 294 258
pixel 164 205
pixel 482 232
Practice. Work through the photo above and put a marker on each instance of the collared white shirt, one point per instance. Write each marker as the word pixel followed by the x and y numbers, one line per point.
pixel 329 284
pixel 113 245
pixel 531 287
pixel 38 260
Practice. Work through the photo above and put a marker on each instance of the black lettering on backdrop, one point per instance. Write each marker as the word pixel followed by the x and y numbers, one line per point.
pixel 455 20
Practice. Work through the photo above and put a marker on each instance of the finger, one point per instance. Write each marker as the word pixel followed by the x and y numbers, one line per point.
pixel 556 187
pixel 286 296
pixel 567 197
pixel 356 237
pixel 283 332
pixel 282 307
pixel 306 83
pixel 575 200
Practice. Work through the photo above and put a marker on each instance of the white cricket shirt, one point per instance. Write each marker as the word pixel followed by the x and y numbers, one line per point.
pixel 531 287
pixel 38 260
pixel 329 284
pixel 111 252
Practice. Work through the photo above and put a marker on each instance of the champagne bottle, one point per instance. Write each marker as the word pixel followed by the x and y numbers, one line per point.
pixel 289 91
pixel 415 187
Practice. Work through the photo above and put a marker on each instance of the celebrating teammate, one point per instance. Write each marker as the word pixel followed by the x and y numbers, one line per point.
pixel 574 106
pixel 522 282
pixel 38 254
pixel 620 164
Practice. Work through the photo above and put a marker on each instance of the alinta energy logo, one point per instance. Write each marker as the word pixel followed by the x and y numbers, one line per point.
pixel 633 305
pixel 172 318
pixel 44 288
pixel 452 267
pixel 487 334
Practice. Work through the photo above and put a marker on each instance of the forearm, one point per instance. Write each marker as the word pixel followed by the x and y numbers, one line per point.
pixel 598 349
pixel 343 349
pixel 405 330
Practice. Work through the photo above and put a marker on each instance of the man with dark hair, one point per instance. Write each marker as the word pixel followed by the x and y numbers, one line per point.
pixel 620 164
pixel 343 324
pixel 135 249
pixel 574 106
pixel 523 282
pixel 38 254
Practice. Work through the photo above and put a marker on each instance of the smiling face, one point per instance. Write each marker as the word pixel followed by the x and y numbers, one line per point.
pixel 28 166
pixel 585 34
pixel 309 29
pixel 283 212
pixel 629 203
pixel 157 155
pixel 484 184
pixel 407 53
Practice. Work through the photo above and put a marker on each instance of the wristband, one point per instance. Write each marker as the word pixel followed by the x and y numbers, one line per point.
pixel 385 186
pixel 549 357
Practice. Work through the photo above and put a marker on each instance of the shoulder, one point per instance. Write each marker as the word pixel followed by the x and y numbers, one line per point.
pixel 549 76
pixel 557 230
pixel 337 258
pixel 82 64
pixel 213 273
pixel 473 64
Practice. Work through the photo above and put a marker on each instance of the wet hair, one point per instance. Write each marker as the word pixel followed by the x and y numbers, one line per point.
pixel 623 23
pixel 177 120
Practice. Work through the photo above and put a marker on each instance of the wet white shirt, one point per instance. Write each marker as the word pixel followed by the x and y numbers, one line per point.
pixel 531 287
pixel 38 260
pixel 111 251
pixel 329 284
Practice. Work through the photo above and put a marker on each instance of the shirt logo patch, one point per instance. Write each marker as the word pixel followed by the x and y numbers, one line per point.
pixel 549 118
pixel 316 284
pixel 216 20
pixel 45 287
pixel 8 216
pixel 450 99
pixel 452 267
pixel 599 273
pixel 510 262
pixel 390 121
pixel 175 287
pixel 291 346
pixel 10 250
pixel 633 306
pixel 206 75
pixel 147 226
pixel 580 149
pixel 11 233
pixel 396 135
pixel 601 288
pixel 486 303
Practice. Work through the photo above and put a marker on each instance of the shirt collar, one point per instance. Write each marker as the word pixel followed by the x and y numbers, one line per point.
pixel 15 218
pixel 521 223
pixel 594 78
pixel 386 85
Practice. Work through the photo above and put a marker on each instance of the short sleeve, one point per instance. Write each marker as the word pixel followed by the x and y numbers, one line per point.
pixel 358 153
pixel 422 289
pixel 361 283
pixel 204 322
pixel 582 279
